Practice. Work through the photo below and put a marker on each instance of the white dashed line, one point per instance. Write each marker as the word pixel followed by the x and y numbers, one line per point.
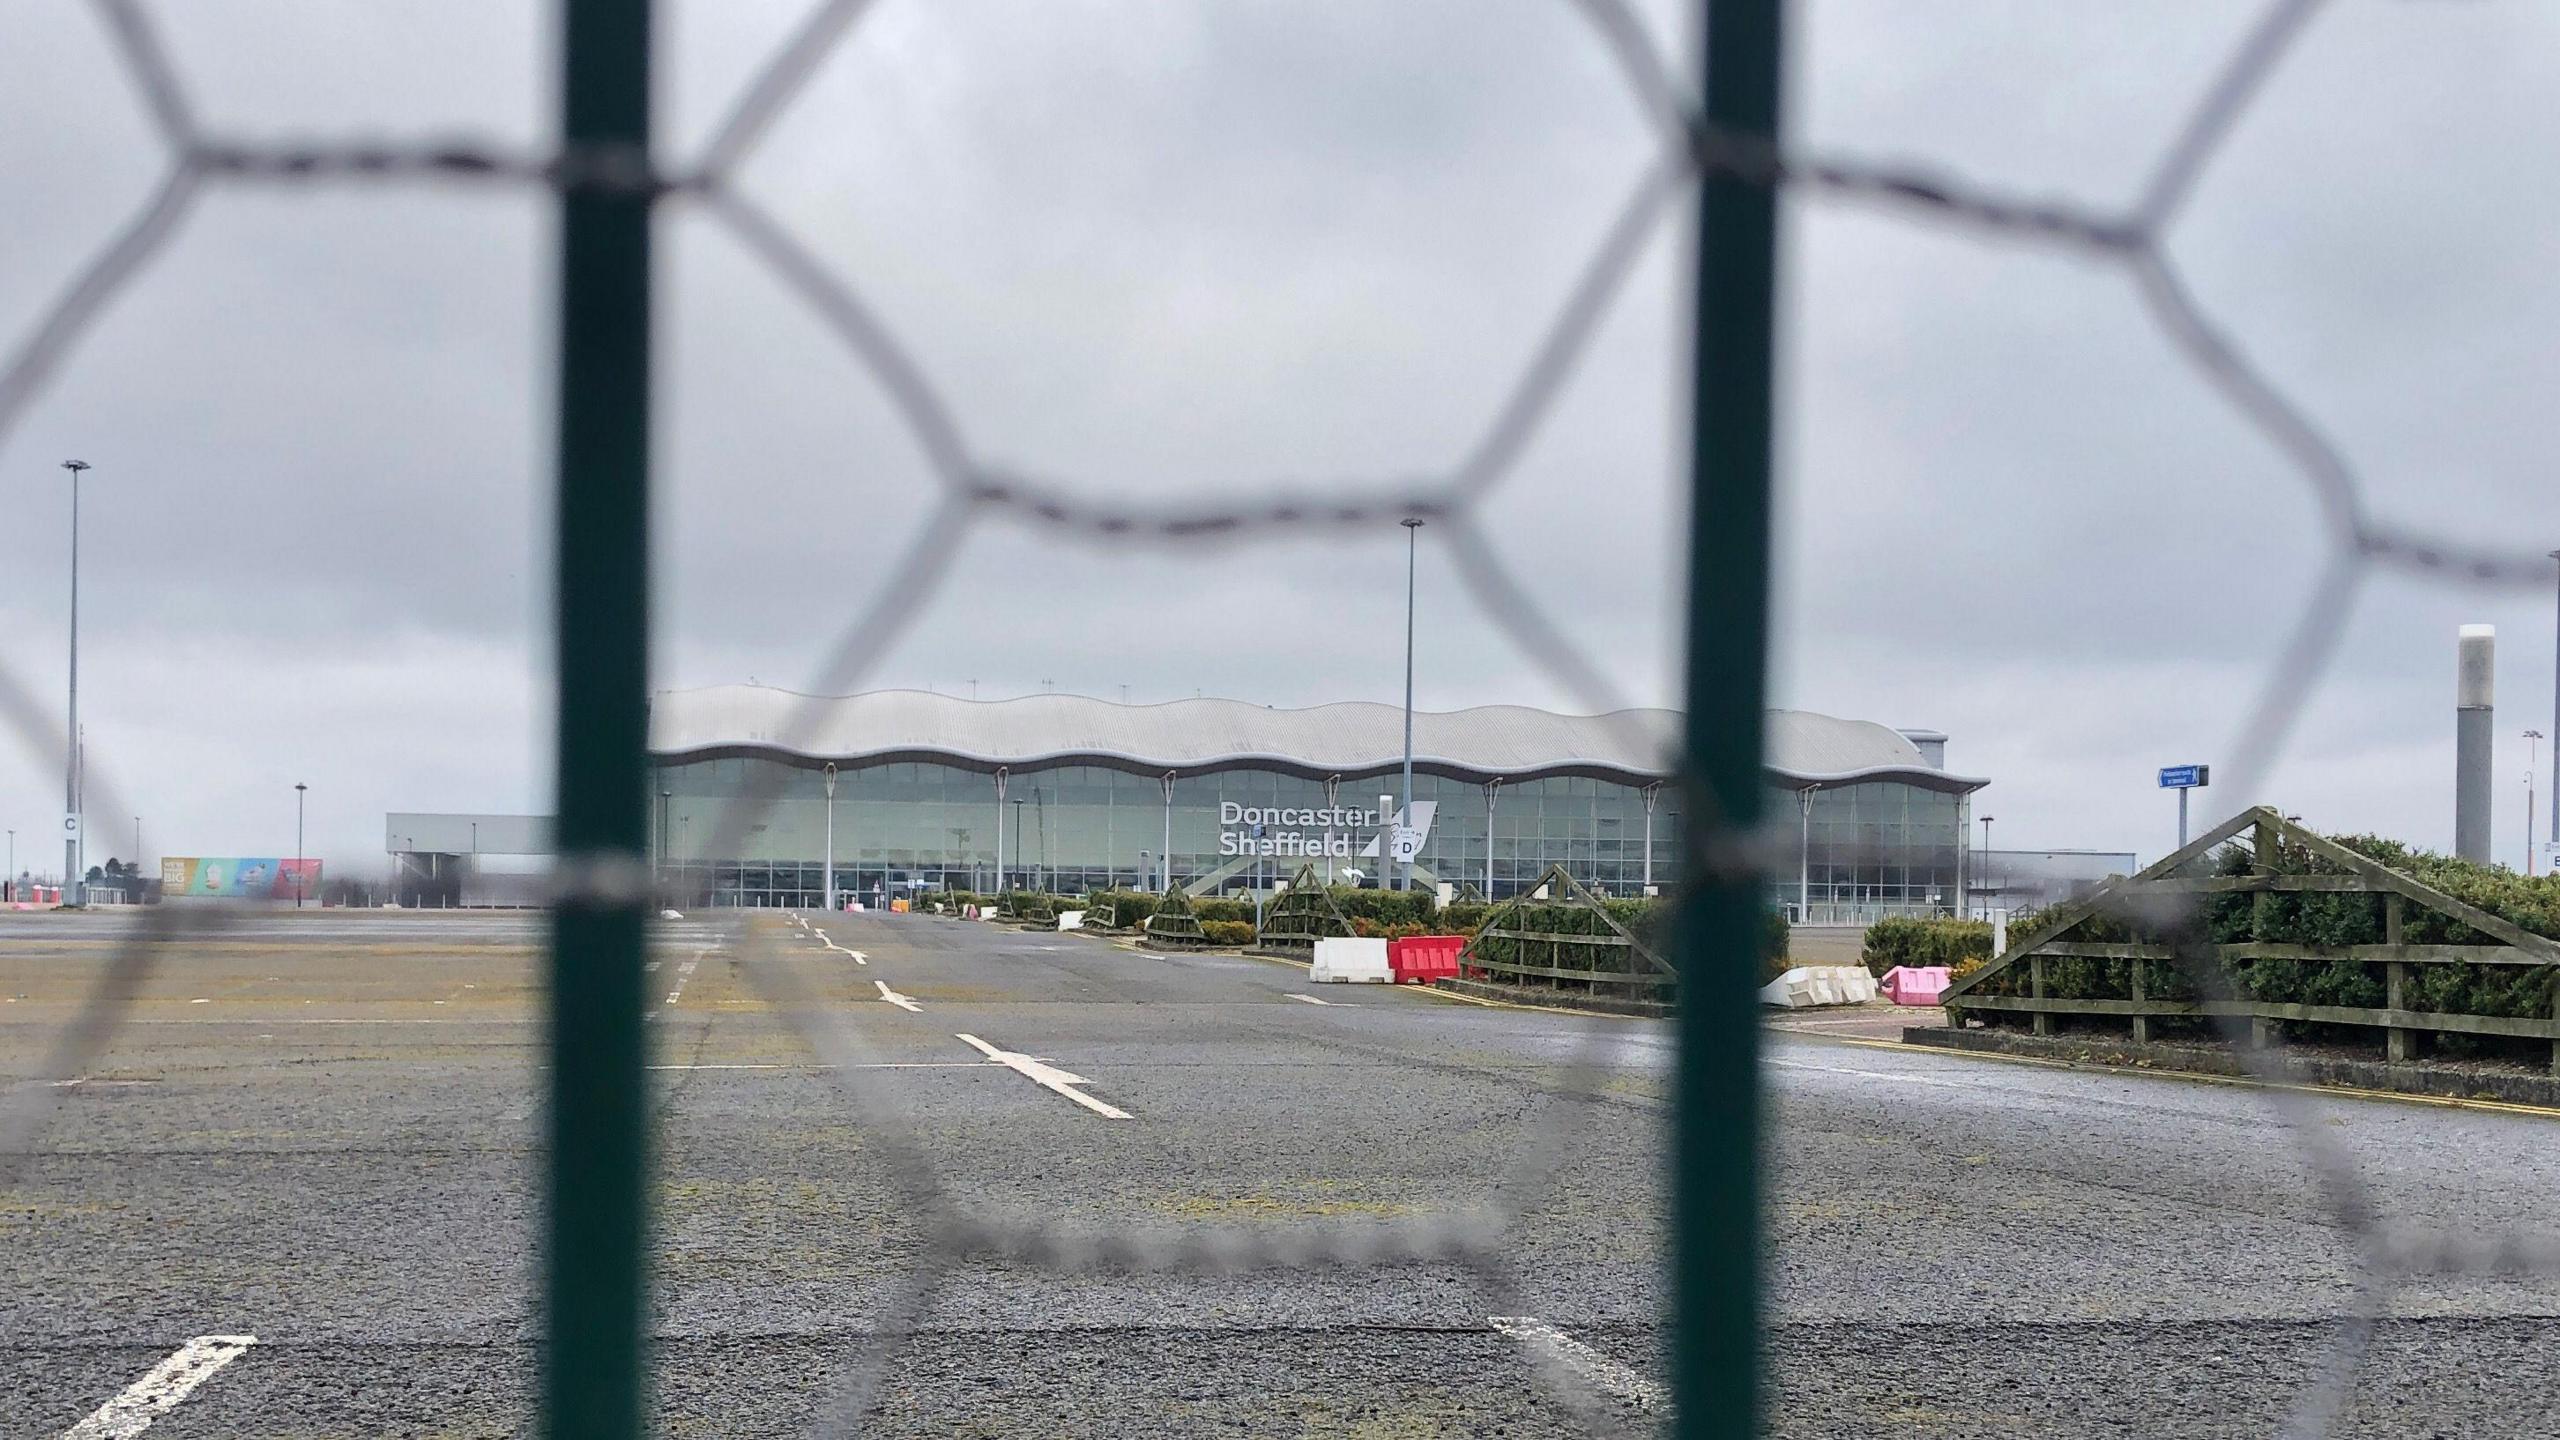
pixel 1316 1000
pixel 894 998
pixel 1042 1073
pixel 157 1392
pixel 1595 1369
pixel 684 973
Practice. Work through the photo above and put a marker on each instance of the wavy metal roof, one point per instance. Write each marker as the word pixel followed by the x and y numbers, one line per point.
pixel 1352 737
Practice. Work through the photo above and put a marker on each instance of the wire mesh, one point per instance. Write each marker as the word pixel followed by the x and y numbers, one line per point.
pixel 2357 542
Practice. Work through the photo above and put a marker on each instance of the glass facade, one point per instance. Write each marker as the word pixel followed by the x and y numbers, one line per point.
pixel 909 825
pixel 1873 848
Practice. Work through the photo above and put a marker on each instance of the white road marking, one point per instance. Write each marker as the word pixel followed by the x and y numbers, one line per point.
pixel 157 1392
pixel 894 998
pixel 1897 1077
pixel 1595 1369
pixel 814 1065
pixel 1318 1000
pixel 858 957
pixel 684 973
pixel 1042 1073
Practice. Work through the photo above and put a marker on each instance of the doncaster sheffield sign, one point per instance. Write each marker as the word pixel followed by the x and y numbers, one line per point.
pixel 1337 830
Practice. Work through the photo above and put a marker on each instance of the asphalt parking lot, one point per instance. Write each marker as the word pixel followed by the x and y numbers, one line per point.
pixel 323 1131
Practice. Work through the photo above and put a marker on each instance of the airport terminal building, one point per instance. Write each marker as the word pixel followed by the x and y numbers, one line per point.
pixel 1068 793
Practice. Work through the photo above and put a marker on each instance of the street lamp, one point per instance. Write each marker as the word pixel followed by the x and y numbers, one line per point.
pixel 72 884
pixel 2532 752
pixel 2554 831
pixel 659 875
pixel 1412 533
pixel 1984 880
pixel 831 837
pixel 299 790
pixel 1017 843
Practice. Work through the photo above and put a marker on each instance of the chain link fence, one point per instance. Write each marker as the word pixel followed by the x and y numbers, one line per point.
pixel 623 182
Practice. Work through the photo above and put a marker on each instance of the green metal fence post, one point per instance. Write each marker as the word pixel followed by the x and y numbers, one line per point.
pixel 1715 1344
pixel 594 1287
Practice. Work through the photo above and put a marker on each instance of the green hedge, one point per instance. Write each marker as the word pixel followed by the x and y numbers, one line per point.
pixel 1228 932
pixel 1916 942
pixel 2330 919
pixel 1645 919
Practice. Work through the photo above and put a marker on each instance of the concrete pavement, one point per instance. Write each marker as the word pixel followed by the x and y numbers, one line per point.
pixel 324 1136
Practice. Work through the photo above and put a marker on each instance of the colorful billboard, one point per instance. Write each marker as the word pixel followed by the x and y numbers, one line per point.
pixel 239 877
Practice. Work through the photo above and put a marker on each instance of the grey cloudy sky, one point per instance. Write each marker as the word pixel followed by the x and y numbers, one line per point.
pixel 1168 252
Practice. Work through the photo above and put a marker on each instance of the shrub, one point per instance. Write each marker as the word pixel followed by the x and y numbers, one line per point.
pixel 1647 920
pixel 1386 907
pixel 2329 919
pixel 1228 932
pixel 1124 909
pixel 1917 942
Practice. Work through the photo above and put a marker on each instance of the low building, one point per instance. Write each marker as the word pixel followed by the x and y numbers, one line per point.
pixel 1069 793
pixel 2016 880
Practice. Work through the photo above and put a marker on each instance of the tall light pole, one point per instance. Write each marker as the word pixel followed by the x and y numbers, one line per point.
pixel 72 887
pixel 2554 830
pixel 299 790
pixel 2532 753
pixel 831 837
pixel 1983 875
pixel 1804 855
pixel 665 797
pixel 1017 841
pixel 11 875
pixel 1412 534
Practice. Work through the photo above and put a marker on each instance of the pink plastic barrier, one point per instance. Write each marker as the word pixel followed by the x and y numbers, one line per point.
pixel 1921 985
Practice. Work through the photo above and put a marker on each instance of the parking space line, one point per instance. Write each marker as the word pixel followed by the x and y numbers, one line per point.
pixel 159 1390
pixel 1046 1075
pixel 1595 1369
pixel 894 998
pixel 684 973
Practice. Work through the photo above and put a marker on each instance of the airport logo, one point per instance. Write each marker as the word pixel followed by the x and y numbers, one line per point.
pixel 1341 831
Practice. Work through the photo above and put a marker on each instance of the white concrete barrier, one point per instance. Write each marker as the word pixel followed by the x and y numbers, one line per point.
pixel 1070 919
pixel 1352 961
pixel 1820 985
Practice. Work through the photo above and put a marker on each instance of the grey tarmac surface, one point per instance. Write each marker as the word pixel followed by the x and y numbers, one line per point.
pixel 323 1130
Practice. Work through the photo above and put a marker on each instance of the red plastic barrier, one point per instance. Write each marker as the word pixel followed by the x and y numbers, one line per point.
pixel 1421 959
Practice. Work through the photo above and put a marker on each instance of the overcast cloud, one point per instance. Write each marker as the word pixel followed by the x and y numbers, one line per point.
pixel 1167 251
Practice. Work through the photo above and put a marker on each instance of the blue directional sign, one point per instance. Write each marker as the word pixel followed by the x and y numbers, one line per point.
pixel 2185 777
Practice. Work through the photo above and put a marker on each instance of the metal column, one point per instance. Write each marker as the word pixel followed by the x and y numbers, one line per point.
pixel 1715 1178
pixel 1000 779
pixel 2474 740
pixel 595 1303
